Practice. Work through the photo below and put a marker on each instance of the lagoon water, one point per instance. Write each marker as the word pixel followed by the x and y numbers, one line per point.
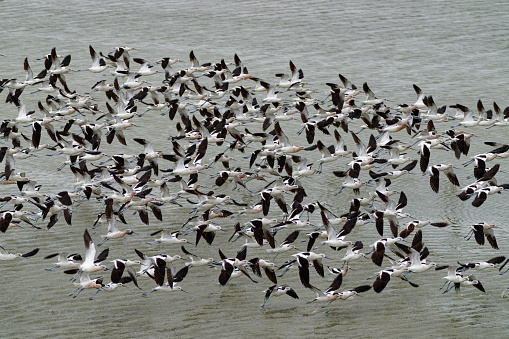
pixel 455 51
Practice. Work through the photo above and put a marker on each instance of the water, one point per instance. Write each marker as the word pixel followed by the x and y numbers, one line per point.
pixel 454 51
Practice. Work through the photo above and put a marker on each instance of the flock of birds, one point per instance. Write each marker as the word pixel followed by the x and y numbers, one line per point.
pixel 229 132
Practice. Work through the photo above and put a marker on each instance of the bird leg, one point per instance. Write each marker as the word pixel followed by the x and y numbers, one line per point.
pixel 98 290
pixel 145 294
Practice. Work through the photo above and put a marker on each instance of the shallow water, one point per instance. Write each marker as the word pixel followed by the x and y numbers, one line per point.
pixel 454 51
